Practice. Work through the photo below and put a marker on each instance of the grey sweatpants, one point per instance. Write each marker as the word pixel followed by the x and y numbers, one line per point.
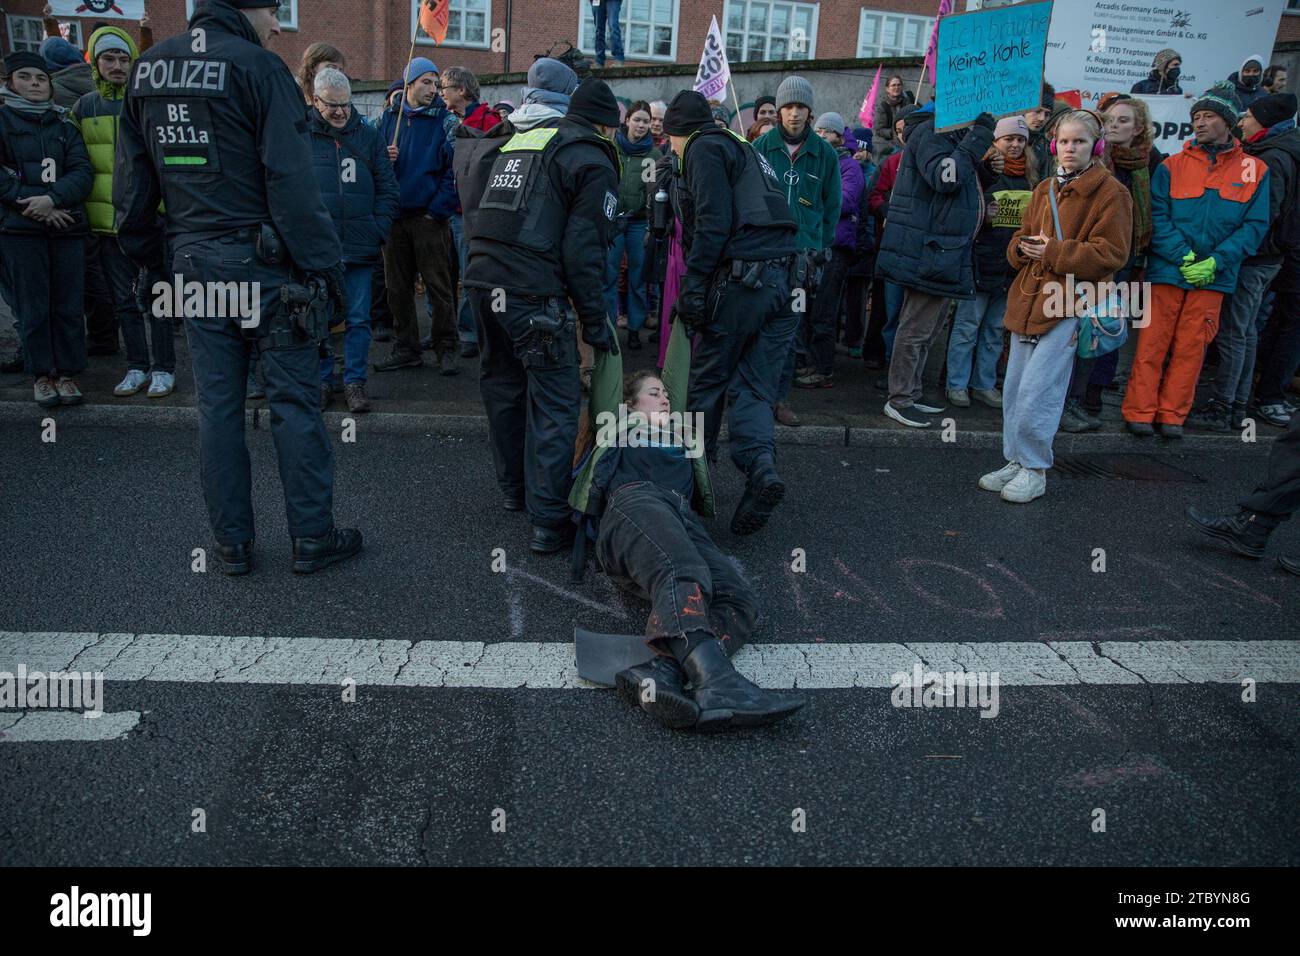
pixel 1033 394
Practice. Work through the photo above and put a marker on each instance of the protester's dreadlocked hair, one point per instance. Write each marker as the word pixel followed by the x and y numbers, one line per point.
pixel 312 58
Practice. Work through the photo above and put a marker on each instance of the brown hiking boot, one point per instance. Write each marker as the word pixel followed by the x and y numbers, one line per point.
pixel 355 393
pixel 785 415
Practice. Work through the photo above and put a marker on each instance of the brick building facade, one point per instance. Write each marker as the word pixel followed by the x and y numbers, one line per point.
pixel 500 36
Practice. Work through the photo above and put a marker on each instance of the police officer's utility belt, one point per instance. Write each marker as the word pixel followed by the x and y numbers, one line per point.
pixel 748 271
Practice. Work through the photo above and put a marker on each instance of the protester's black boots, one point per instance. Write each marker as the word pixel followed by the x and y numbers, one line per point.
pixel 236 558
pixel 312 554
pixel 728 699
pixel 1243 531
pixel 549 540
pixel 657 687
pixel 763 492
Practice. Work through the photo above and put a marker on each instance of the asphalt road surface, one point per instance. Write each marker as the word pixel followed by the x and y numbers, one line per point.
pixel 1122 689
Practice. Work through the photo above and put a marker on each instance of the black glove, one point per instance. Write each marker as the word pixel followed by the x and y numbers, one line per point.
pixel 335 289
pixel 986 120
pixel 690 309
pixel 600 337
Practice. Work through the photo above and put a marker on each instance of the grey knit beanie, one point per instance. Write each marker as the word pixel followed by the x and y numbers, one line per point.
pixel 831 121
pixel 794 89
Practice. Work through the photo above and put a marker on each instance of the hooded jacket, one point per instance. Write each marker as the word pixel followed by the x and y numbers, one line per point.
pixel 812 185
pixel 935 209
pixel 27 140
pixel 70 74
pixel 1279 148
pixel 1212 204
pixel 363 204
pixel 853 184
pixel 1156 85
pixel 1248 94
pixel 97 115
pixel 1096 215
pixel 424 158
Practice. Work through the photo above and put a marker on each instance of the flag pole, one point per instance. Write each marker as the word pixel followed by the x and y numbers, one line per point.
pixel 397 127
pixel 736 99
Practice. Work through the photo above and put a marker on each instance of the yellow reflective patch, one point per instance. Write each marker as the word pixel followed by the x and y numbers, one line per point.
pixel 533 140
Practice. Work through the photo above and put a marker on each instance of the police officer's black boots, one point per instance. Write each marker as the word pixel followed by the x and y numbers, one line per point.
pixel 658 688
pixel 763 492
pixel 236 558
pixel 337 544
pixel 728 699
pixel 1246 532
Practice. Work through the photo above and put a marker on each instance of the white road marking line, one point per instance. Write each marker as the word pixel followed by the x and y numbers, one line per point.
pixel 206 658
pixel 43 726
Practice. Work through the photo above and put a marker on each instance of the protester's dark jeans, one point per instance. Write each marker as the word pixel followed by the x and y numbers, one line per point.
pixel 1279 349
pixel 629 238
pixel 356 333
pixel 532 395
pixel 464 317
pixel 1279 495
pixel 420 246
pixel 98 305
pixel 857 291
pixel 380 314
pixel 739 356
pixel 48 285
pixel 220 355
pixel 825 315
pixel 607 12
pixel 1239 334
pixel 654 545
pixel 121 274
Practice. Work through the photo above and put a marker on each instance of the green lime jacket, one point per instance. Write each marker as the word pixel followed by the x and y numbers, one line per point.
pixel 96 114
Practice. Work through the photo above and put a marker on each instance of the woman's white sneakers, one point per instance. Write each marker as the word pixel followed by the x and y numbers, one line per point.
pixel 1016 483
pixel 997 480
pixel 1029 483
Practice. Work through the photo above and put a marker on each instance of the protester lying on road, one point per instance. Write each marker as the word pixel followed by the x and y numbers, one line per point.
pixel 641 481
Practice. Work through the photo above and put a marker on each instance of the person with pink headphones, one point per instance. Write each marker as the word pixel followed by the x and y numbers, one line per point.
pixel 1075 234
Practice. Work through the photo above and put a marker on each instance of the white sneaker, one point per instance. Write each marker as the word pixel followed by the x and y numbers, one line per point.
pixel 959 397
pixel 164 383
pixel 987 396
pixel 133 382
pixel 1029 484
pixel 997 480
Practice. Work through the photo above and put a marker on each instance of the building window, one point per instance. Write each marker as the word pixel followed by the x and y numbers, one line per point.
pixel 764 30
pixel 649 29
pixel 892 34
pixel 469 23
pixel 28 33
pixel 287 13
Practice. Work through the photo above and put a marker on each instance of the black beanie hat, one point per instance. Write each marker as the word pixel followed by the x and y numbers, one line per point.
pixel 688 112
pixel 252 4
pixel 1273 109
pixel 594 101
pixel 22 60
pixel 765 98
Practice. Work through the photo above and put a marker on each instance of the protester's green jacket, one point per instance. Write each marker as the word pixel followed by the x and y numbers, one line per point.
pixel 586 497
pixel 97 114
pixel 812 185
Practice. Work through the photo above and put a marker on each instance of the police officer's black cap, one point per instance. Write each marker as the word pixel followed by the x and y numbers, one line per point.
pixel 594 101
pixel 22 60
pixel 687 112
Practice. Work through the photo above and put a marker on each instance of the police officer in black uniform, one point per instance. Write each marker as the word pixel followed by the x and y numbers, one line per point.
pixel 739 238
pixel 213 125
pixel 539 212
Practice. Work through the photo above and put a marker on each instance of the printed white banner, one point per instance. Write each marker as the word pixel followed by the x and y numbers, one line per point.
pixel 714 73
pixel 99 9
pixel 1102 46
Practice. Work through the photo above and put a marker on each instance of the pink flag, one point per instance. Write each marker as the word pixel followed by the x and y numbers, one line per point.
pixel 945 8
pixel 868 110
